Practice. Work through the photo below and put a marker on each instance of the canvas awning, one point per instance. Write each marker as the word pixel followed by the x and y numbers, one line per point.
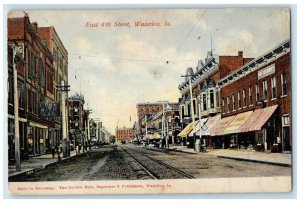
pixel 210 124
pixel 197 126
pixel 156 135
pixel 239 120
pixel 258 119
pixel 222 125
pixel 187 130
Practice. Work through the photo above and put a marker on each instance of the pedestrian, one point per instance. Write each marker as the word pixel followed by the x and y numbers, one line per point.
pixel 53 152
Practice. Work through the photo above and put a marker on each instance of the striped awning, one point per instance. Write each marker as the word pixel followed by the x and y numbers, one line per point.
pixel 187 130
pixel 239 120
pixel 258 119
pixel 197 126
pixel 222 125
pixel 210 125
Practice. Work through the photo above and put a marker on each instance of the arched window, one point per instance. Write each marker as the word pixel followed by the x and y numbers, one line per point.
pixel 41 73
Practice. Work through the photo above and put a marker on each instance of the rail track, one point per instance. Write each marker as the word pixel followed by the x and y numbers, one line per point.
pixel 155 168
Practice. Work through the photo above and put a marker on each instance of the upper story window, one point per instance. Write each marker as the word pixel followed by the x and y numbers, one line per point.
pixel 41 73
pixel 239 100
pixel 228 104
pixel 283 84
pixel 233 103
pixel 212 100
pixel 273 86
pixel 257 93
pixel 194 106
pixel 31 63
pixel 223 105
pixel 244 98
pixel 265 90
pixel 182 112
pixel 204 102
pixel 250 96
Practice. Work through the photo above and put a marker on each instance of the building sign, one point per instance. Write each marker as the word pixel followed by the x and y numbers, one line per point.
pixel 266 71
pixel 49 109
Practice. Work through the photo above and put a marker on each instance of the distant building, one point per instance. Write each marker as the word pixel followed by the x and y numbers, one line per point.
pixel 124 134
pixel 76 119
pixel 149 109
pixel 170 129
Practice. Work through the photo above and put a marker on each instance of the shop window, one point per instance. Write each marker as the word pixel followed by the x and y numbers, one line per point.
pixel 260 137
pixel 283 84
pixel 273 86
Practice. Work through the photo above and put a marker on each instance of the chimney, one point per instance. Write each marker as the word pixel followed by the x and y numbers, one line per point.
pixel 240 54
pixel 35 25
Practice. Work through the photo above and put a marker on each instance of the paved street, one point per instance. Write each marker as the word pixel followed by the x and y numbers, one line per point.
pixel 129 162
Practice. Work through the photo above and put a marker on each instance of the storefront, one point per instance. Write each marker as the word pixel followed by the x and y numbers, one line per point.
pixel 22 136
pixel 37 134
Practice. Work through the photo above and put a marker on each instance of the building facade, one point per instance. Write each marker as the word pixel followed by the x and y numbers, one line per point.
pixel 38 75
pixel 124 135
pixel 76 119
pixel 148 110
pixel 257 98
pixel 205 92
pixel 60 64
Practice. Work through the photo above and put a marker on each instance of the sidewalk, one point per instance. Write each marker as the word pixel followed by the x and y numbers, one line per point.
pixel 280 159
pixel 37 163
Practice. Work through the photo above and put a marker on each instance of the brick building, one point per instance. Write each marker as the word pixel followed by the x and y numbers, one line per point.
pixel 149 109
pixel 256 103
pixel 205 92
pixel 124 134
pixel 60 64
pixel 76 119
pixel 36 86
pixel 165 125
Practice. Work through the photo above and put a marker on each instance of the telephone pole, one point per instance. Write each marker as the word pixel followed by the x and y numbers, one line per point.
pixel 16 110
pixel 192 108
pixel 65 144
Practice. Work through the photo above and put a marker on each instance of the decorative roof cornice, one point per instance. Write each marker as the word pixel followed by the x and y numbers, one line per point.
pixel 269 57
pixel 208 68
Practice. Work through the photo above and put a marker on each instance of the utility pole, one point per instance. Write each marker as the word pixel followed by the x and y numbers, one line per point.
pixel 65 144
pixel 16 111
pixel 146 133
pixel 192 108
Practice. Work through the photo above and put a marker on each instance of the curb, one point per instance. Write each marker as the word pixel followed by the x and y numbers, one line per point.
pixel 34 170
pixel 256 161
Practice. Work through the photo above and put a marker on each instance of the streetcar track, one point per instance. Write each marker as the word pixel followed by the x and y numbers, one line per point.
pixel 160 163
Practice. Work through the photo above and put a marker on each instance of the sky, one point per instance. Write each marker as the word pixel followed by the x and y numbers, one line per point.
pixel 117 67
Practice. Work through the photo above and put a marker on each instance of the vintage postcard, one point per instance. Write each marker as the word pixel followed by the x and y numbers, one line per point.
pixel 149 101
